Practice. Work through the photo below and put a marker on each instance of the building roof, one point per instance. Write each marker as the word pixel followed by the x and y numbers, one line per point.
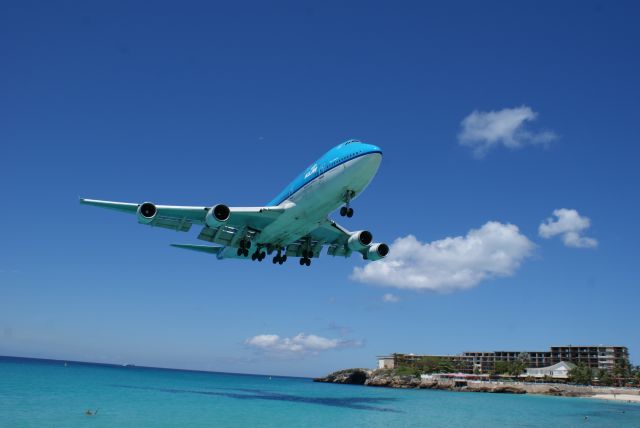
pixel 565 364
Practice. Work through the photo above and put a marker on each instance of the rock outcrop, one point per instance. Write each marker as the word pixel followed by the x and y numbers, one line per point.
pixel 390 379
pixel 348 376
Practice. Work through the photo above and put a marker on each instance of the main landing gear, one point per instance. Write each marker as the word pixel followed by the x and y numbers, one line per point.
pixel 279 258
pixel 346 210
pixel 245 244
pixel 258 255
pixel 306 258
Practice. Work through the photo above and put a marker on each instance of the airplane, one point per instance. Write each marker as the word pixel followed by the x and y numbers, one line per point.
pixel 295 223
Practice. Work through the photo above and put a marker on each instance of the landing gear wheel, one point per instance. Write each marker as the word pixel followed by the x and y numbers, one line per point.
pixel 343 211
pixel 280 258
pixel 254 256
pixel 240 252
pixel 245 252
pixel 305 261
pixel 349 212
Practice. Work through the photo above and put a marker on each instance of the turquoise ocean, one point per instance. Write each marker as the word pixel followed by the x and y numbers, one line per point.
pixel 44 393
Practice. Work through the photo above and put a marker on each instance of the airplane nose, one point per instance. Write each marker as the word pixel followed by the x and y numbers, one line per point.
pixel 373 149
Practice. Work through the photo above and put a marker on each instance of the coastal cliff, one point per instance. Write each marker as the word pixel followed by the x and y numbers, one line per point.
pixel 390 379
pixel 348 376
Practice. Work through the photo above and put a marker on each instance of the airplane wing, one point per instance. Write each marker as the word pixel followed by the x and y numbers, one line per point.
pixel 330 234
pixel 227 226
pixel 181 218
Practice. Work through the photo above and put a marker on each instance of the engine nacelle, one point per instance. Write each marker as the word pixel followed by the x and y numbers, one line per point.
pixel 217 215
pixel 359 240
pixel 147 212
pixel 377 251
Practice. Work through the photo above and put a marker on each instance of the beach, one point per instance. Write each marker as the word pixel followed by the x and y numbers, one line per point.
pixel 628 398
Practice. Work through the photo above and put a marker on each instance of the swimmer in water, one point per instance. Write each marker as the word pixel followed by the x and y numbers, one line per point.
pixel 90 413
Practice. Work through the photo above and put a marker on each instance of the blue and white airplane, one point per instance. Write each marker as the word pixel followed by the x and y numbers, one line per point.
pixel 294 224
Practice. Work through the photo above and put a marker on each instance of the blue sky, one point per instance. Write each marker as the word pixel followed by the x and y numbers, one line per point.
pixel 486 112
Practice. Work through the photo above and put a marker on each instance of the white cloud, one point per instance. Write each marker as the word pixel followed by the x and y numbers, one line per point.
pixel 483 130
pixel 494 250
pixel 390 298
pixel 301 344
pixel 570 225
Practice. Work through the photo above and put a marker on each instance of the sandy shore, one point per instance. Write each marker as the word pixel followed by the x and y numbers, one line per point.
pixel 618 397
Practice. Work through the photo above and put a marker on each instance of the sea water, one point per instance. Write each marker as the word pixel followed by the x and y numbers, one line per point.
pixel 43 393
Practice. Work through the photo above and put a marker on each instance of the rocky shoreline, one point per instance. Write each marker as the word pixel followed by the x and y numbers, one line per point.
pixel 389 379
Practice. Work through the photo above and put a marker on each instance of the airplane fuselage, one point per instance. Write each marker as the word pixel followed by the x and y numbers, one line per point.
pixel 339 176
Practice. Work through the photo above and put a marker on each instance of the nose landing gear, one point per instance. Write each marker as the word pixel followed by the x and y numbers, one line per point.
pixel 346 210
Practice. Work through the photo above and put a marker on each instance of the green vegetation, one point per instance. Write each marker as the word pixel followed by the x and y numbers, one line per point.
pixel 407 371
pixel 339 372
pixel 436 365
pixel 622 375
pixel 623 370
pixel 512 368
pixel 581 374
pixel 429 365
pixel 604 378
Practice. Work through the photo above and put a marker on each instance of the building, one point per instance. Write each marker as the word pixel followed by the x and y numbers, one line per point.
pixel 484 362
pixel 386 362
pixel 556 371
pixel 596 357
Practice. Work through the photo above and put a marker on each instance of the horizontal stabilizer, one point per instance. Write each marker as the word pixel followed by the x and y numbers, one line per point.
pixel 201 248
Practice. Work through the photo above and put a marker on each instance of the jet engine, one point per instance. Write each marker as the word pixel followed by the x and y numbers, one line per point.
pixel 359 240
pixel 147 212
pixel 217 215
pixel 377 251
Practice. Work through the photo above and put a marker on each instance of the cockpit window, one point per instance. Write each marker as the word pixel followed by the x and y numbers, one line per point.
pixel 351 141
